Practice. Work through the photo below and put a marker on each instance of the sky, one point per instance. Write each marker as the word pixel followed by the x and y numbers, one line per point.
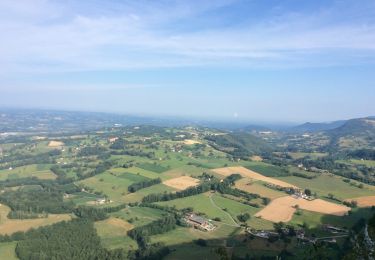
pixel 240 60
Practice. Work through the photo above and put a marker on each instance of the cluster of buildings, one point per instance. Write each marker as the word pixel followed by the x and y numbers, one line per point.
pixel 199 222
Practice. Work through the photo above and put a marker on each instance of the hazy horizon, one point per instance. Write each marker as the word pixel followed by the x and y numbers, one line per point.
pixel 245 61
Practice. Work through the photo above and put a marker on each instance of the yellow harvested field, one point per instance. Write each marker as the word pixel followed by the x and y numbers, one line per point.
pixel 363 202
pixel 191 142
pixel 10 226
pixel 282 209
pixel 278 210
pixel 252 175
pixel 182 182
pixel 251 186
pixel 55 144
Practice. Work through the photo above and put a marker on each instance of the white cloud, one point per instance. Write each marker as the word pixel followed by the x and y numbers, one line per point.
pixel 43 36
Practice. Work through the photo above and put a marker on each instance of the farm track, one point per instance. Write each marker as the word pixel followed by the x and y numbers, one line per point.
pixel 229 215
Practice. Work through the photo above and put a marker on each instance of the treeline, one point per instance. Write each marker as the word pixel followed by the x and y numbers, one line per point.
pixel 143 184
pixel 242 144
pixel 366 154
pixel 155 197
pixel 19 160
pixel 224 187
pixel 302 175
pixel 133 152
pixel 141 234
pixel 96 214
pixel 91 150
pixel 36 201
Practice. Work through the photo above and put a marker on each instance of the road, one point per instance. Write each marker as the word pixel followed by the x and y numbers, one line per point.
pixel 229 215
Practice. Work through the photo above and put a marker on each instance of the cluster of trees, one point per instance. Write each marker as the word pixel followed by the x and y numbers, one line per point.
pixel 176 195
pixel 223 187
pixel 118 144
pixel 18 160
pixel 303 175
pixel 242 144
pixel 367 154
pixel 134 152
pixel 92 150
pixel 243 217
pixel 100 168
pixel 36 201
pixel 143 184
pixel 96 214
pixel 76 240
pixel 141 234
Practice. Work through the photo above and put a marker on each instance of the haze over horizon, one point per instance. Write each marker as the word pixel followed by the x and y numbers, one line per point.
pixel 258 61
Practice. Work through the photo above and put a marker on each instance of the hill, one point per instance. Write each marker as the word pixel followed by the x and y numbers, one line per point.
pixel 317 127
pixel 239 144
pixel 354 134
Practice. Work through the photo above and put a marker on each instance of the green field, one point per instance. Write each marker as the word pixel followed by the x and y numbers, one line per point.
pixel 7 251
pixel 113 237
pixel 35 170
pixel 139 216
pixel 325 184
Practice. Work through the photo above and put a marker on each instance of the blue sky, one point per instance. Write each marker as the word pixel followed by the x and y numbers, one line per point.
pixel 251 60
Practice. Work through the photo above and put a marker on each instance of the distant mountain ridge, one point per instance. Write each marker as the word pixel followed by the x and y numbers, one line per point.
pixel 317 127
pixel 357 126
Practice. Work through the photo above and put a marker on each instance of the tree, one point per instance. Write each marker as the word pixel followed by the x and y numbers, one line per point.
pixel 308 192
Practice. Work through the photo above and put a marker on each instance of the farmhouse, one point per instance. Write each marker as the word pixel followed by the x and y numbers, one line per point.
pixel 112 139
pixel 100 201
pixel 199 222
pixel 334 229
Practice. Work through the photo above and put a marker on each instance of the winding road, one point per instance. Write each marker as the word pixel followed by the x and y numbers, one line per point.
pixel 229 215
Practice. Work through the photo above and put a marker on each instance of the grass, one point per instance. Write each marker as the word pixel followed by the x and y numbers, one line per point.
pixel 368 163
pixel 7 251
pixel 201 204
pixel 33 170
pixel 139 216
pixel 182 235
pixel 138 196
pixel 81 198
pixel 300 155
pixel 265 169
pixel 133 177
pixel 113 236
pixel 258 188
pixel 314 219
pixel 153 167
pixel 325 184
pixel 111 185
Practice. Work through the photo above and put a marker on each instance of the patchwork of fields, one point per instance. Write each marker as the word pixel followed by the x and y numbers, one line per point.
pixel 257 199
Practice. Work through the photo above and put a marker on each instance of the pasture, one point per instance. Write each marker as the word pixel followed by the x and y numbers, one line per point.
pixel 138 216
pixel 39 171
pixel 7 251
pixel 113 234
pixel 252 186
pixel 330 184
pixel 252 175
